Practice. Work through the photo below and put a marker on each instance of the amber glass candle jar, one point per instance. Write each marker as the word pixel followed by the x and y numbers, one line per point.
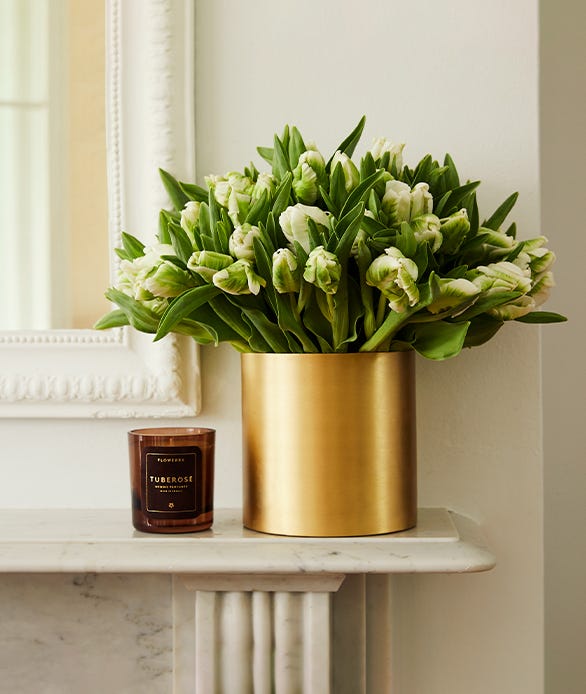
pixel 172 479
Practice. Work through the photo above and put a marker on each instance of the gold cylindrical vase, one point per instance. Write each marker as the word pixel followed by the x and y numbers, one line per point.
pixel 329 443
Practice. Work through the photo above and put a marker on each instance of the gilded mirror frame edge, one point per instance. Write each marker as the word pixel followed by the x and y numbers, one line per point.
pixel 150 115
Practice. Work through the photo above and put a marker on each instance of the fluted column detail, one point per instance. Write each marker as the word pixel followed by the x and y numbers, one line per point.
pixel 254 640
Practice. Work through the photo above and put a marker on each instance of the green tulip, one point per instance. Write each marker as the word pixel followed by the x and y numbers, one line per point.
pixel 396 202
pixel 351 173
pixel 426 228
pixel 535 257
pixel 264 183
pixel 381 145
pixel 323 270
pixel 541 287
pixel 241 241
pixel 239 278
pixel 495 246
pixel 454 295
pixel 501 277
pixel 505 277
pixel 293 222
pixel 454 230
pixel 286 273
pixel 515 309
pixel 395 277
pixel 207 263
pixel 168 280
pixel 523 305
pixel 190 217
pixel 308 175
pixel 157 305
pixel 133 274
pixel 234 192
pixel 421 201
pixel 401 203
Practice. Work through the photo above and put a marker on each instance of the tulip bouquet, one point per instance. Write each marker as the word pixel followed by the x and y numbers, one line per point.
pixel 331 256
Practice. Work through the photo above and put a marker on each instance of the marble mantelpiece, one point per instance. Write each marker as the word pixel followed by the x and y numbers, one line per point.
pixel 103 541
pixel 89 604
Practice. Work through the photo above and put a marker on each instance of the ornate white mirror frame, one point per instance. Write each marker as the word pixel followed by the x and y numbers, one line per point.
pixel 150 124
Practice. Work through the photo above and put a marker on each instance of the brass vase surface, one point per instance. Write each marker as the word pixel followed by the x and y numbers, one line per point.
pixel 329 443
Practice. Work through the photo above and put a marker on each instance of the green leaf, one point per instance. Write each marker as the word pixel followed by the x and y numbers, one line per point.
pixel 180 241
pixel 282 195
pixel 457 197
pixel 165 218
pixel 473 216
pixel 439 208
pixel 259 209
pixel 266 153
pixel 542 317
pixel 500 214
pixel 202 334
pixel 485 303
pixel 114 319
pixel 367 166
pixel 230 314
pixel 356 311
pixel 138 315
pixel 422 258
pixel 316 237
pixel 183 306
pixel 451 179
pixel 346 229
pixel 361 192
pixel 133 247
pixel 435 178
pixel 290 321
pixel 512 231
pixel 280 159
pixel 178 262
pixel 204 222
pixel 194 192
pixel 481 330
pixel 208 317
pixel 349 144
pixel 174 191
pixel 214 218
pixel 439 340
pixel 264 267
pixel 314 321
pixel 337 186
pixel 515 252
pixel 296 147
pixel 395 321
pixel 422 170
pixel 329 202
pixel 122 254
pixel 270 332
pixel 406 241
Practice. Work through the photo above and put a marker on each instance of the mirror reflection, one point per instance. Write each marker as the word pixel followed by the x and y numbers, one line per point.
pixel 53 199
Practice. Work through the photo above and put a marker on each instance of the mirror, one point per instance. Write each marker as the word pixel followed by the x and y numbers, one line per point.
pixel 149 124
pixel 53 140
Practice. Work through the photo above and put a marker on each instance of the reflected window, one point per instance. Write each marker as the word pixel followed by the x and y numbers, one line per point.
pixel 53 203
pixel 25 142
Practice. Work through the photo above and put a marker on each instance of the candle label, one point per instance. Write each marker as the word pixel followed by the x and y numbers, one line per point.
pixel 171 478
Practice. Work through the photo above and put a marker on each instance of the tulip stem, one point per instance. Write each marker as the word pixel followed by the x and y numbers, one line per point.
pixel 382 307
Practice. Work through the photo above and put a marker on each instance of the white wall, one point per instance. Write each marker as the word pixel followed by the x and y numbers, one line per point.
pixel 458 76
pixel 563 152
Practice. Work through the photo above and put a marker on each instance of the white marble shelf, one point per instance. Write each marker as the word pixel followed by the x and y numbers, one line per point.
pixel 104 541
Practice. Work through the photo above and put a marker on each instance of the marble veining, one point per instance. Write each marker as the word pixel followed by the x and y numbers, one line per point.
pixel 73 633
pixel 104 541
